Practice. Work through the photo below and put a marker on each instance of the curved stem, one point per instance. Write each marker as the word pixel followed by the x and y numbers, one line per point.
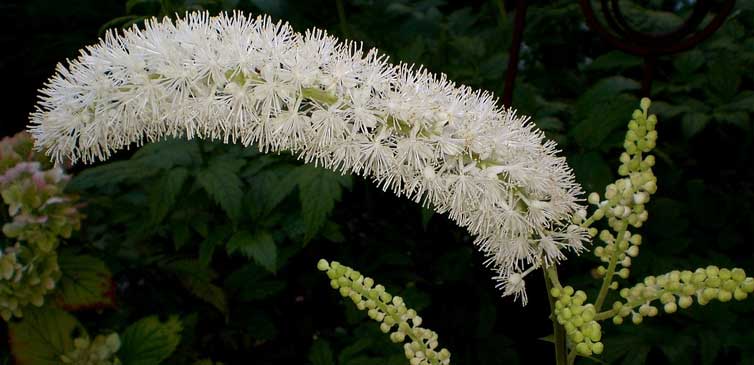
pixel 551 280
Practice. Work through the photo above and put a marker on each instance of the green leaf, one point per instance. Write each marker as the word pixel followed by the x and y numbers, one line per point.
pixel 269 188
pixel 319 189
pixel 743 102
pixel 42 336
pixel 321 353
pixel 252 282
pixel 603 109
pixel 259 246
pixel 688 62
pixel 164 192
pixel 591 171
pixel 220 180
pixel 111 174
pixel 614 60
pixel 207 247
pixel 693 123
pixel 86 282
pixel 197 279
pixel 149 341
pixel 168 153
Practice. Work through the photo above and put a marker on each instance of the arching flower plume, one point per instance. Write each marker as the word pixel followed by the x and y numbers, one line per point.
pixel 255 81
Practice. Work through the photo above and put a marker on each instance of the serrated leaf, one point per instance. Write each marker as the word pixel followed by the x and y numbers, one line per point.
pixel 149 341
pixel 42 336
pixel 258 245
pixel 111 174
pixel 319 189
pixel 164 192
pixel 220 180
pixel 321 353
pixel 197 279
pixel 269 188
pixel 168 153
pixel 86 282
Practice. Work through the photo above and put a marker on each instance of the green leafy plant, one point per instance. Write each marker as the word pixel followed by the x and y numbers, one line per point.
pixel 577 90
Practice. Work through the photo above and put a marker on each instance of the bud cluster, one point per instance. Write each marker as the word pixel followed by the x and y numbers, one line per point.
pixel 624 201
pixel 39 214
pixel 101 351
pixel 679 289
pixel 391 312
pixel 578 320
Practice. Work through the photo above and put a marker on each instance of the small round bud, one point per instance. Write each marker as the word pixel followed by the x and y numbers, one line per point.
pixel 594 198
pixel 323 265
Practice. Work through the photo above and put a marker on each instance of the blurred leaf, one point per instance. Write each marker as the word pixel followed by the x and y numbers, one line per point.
pixel 614 60
pixel 164 192
pixel 321 353
pixel 693 123
pixel 252 282
pixel 147 7
pixel 197 279
pixel 207 247
pixel 42 336
pixel 220 180
pixel 85 283
pixel 110 174
pixel 260 325
pixel 259 246
pixel 149 341
pixel 689 62
pixel 592 171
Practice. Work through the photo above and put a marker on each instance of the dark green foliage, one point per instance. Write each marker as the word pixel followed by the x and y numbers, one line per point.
pixel 228 238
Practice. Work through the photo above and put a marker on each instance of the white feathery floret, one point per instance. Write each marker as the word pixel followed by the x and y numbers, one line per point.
pixel 254 81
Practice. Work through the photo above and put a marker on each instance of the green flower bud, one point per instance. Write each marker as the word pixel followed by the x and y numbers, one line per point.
pixel 323 265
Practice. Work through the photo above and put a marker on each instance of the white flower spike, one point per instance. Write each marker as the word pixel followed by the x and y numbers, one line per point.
pixel 255 81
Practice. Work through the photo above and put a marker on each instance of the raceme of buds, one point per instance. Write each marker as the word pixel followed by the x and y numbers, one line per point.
pixel 391 312
pixel 100 351
pixel 254 81
pixel 624 201
pixel 578 320
pixel 679 289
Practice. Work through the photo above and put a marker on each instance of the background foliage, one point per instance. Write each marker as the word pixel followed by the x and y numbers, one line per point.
pixel 228 239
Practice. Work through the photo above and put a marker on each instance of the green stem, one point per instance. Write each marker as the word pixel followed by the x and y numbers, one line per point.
pixel 409 331
pixel 608 279
pixel 571 357
pixel 342 18
pixel 551 280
